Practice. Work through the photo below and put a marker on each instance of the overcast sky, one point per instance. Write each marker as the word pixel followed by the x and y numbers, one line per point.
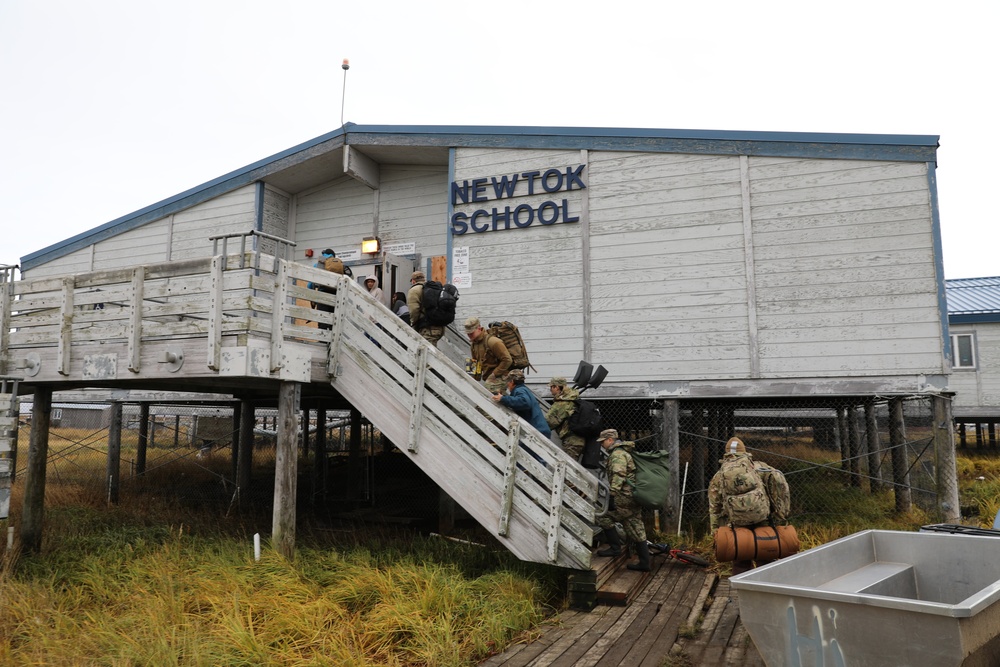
pixel 110 106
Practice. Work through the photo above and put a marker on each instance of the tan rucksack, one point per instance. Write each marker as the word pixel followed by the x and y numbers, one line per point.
pixel 334 264
pixel 508 333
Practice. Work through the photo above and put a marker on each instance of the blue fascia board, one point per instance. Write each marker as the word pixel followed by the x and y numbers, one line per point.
pixel 973 318
pixel 895 147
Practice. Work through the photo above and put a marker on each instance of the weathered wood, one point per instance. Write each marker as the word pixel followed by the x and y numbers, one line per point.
pixel 143 444
pixel 134 329
pixel 285 472
pixel 34 484
pixel 64 354
pixel 417 405
pixel 113 474
pixel 944 452
pixel 215 313
pixel 244 461
pixel 513 437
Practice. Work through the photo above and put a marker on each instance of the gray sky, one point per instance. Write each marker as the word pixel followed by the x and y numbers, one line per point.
pixel 110 106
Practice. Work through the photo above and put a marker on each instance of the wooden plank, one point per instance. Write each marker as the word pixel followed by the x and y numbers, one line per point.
pixel 214 338
pixel 417 401
pixel 555 509
pixel 685 605
pixel 134 329
pixel 513 437
pixel 64 355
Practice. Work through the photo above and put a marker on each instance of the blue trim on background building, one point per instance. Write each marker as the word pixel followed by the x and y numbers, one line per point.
pixel 974 318
pixel 895 147
pixel 938 257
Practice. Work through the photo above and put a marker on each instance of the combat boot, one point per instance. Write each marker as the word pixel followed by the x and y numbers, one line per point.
pixel 642 549
pixel 614 543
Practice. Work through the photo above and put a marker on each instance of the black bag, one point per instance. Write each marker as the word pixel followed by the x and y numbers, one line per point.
pixel 438 303
pixel 586 420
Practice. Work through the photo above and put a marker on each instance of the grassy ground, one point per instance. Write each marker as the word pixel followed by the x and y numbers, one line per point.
pixel 152 582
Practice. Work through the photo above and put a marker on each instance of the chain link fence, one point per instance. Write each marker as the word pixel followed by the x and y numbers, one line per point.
pixel 875 451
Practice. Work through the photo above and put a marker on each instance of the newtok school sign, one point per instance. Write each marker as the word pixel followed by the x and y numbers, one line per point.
pixel 511 186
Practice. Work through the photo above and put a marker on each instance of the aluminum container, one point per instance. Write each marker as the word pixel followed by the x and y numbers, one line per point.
pixel 878 598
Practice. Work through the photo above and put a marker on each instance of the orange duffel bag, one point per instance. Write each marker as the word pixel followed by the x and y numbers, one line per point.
pixel 763 543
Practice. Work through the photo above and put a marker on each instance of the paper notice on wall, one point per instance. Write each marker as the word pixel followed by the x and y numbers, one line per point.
pixel 461 280
pixel 349 255
pixel 460 260
pixel 400 249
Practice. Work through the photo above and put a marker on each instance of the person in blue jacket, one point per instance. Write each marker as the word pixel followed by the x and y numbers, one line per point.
pixel 523 402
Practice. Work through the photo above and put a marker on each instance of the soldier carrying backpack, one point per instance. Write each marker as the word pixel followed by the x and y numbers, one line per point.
pixel 746 494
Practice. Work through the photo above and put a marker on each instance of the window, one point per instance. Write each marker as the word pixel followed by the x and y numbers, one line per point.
pixel 963 351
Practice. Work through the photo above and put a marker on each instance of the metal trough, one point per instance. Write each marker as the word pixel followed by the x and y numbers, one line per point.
pixel 878 598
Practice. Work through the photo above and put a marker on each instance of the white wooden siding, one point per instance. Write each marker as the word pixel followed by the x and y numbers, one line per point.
pixel 232 212
pixel 336 216
pixel 844 268
pixel 413 208
pixel 530 276
pixel 143 245
pixel 669 283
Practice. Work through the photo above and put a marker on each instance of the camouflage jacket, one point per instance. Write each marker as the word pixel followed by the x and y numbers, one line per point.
pixel 718 514
pixel 559 414
pixel 414 302
pixel 621 468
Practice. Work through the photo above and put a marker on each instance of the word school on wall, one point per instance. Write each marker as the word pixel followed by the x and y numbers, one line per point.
pixel 524 184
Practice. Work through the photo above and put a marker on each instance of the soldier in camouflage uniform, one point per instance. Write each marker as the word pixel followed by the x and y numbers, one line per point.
pixel 415 302
pixel 622 508
pixel 558 416
pixel 718 513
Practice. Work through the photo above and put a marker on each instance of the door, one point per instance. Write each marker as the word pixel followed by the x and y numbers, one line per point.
pixel 396 273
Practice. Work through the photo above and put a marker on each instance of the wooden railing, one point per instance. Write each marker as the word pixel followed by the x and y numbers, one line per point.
pixel 194 318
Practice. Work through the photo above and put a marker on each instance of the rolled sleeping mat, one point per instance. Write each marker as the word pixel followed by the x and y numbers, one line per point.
pixel 761 543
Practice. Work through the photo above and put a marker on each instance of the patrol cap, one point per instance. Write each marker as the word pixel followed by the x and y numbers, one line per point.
pixel 557 382
pixel 515 376
pixel 608 433
pixel 735 446
pixel 418 275
pixel 471 324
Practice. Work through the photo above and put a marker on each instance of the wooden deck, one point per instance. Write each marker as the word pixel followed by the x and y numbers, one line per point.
pixel 684 617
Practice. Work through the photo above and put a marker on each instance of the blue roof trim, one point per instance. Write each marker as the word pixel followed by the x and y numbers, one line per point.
pixel 650 133
pixel 901 147
pixel 974 318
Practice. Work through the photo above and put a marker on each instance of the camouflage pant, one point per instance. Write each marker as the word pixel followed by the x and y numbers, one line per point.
pixel 629 515
pixel 495 386
pixel 573 445
pixel 431 334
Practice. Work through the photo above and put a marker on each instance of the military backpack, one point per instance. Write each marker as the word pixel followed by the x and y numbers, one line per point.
pixel 744 496
pixel 512 340
pixel 652 479
pixel 439 303
pixel 778 494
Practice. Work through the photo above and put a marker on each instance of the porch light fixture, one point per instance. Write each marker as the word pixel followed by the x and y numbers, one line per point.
pixel 371 245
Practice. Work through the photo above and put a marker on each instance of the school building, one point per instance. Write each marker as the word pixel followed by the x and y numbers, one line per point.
pixel 714 274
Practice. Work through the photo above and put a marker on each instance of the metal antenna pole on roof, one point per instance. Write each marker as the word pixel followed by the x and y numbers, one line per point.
pixel 343 93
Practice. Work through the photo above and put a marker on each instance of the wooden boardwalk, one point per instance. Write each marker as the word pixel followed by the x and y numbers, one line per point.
pixel 684 617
